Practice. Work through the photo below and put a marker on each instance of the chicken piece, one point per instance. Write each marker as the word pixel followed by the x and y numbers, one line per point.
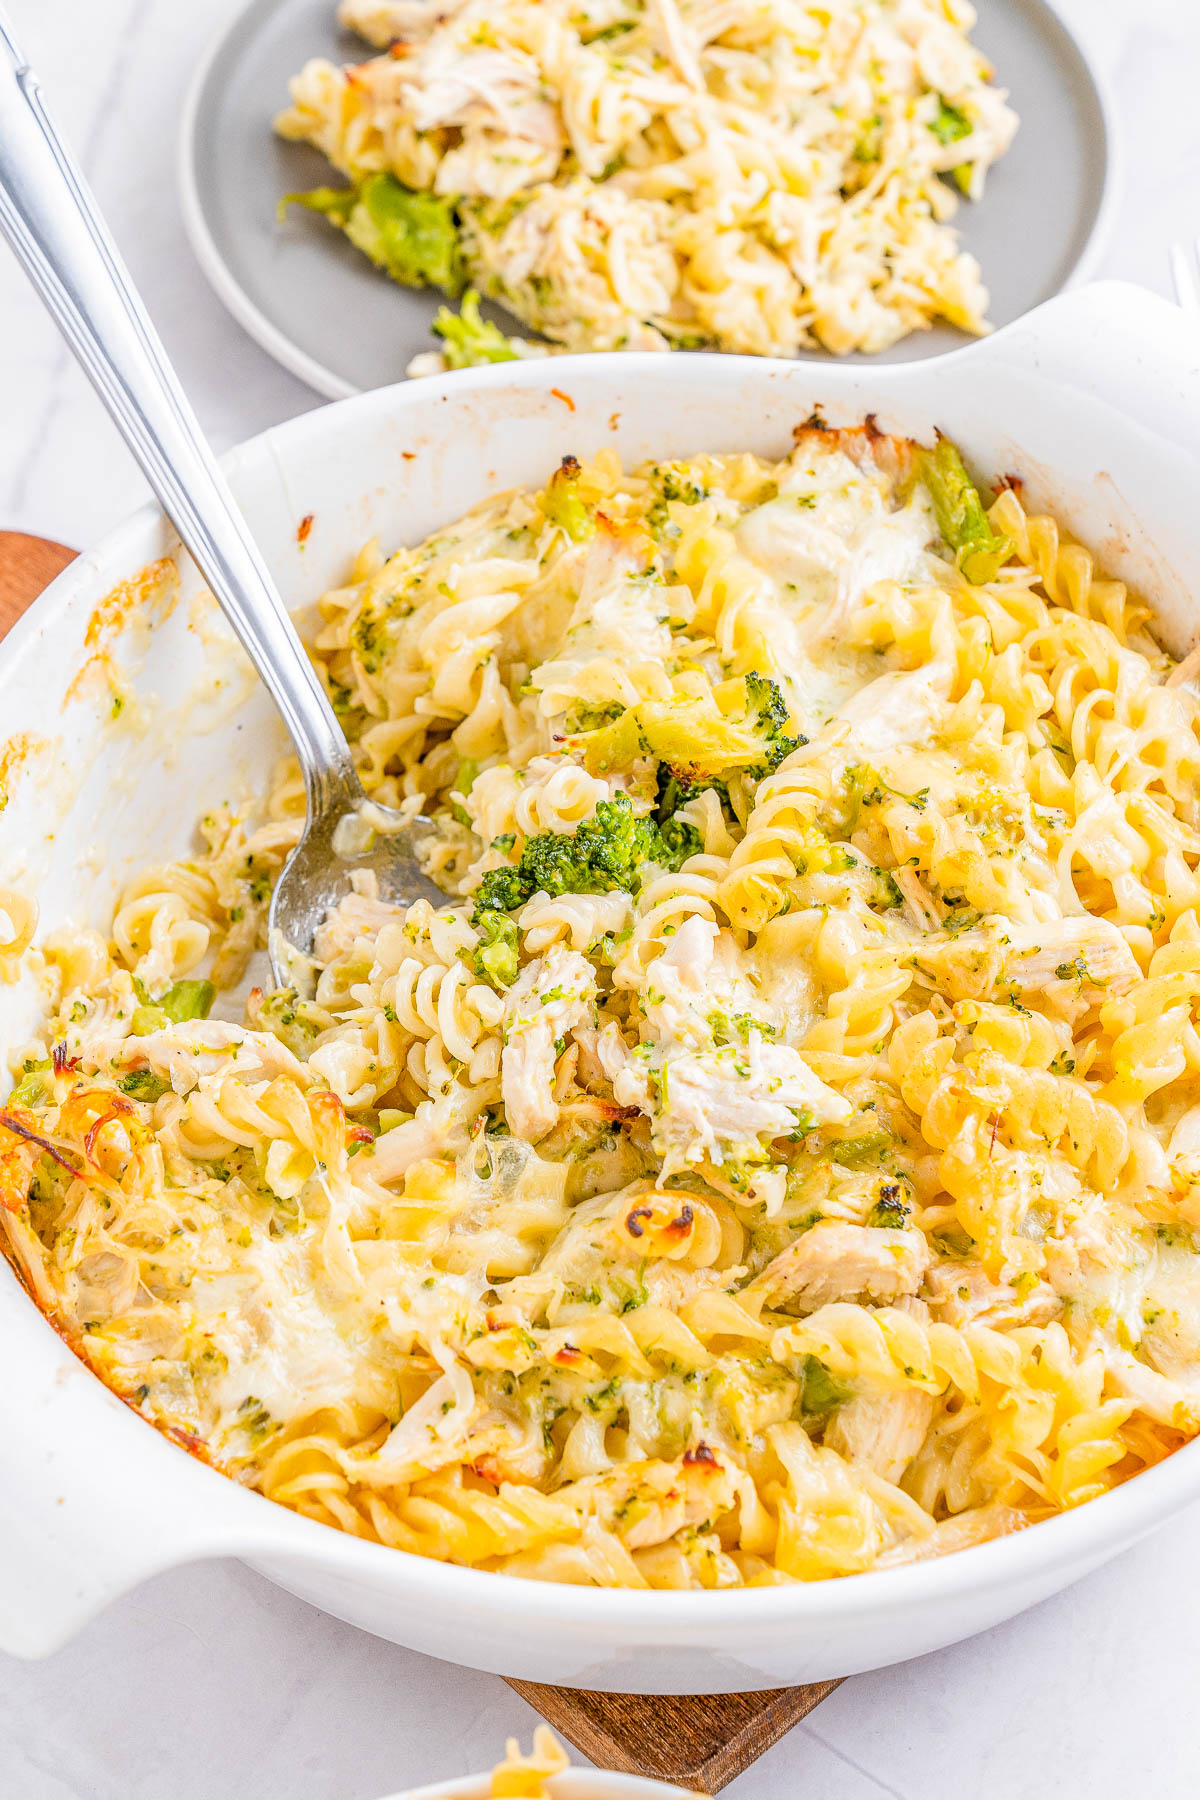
pixel 1165 1401
pixel 722 1103
pixel 882 1431
pixel 713 1100
pixel 355 916
pixel 551 998
pixel 182 1054
pixel 383 22
pixel 844 1262
pixel 498 90
pixel 961 1294
pixel 897 710
pixel 1068 966
pixel 920 905
pixel 648 1502
pixel 978 1525
pixel 892 549
pixel 1172 1316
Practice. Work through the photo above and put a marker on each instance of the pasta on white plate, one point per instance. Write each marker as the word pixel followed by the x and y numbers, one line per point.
pixel 780 1156
pixel 748 175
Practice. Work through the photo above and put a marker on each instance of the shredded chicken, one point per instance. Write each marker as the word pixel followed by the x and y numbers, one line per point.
pixel 553 996
pixel 884 1431
pixel 844 1262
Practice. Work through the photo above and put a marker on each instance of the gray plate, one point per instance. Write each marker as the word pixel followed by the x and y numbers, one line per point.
pixel 323 311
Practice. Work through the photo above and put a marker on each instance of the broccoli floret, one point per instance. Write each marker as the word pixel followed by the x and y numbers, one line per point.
pixel 606 852
pixel 949 123
pixel 676 788
pixel 468 339
pixel 413 236
pixel 961 516
pixel 852 1153
pixel 496 960
pixel 865 786
pixel 32 1089
pixel 822 1390
pixel 891 1212
pixel 501 890
pixel 185 1000
pixel 766 706
pixel 144 1084
pixel 886 892
pixel 563 504
pixel 698 742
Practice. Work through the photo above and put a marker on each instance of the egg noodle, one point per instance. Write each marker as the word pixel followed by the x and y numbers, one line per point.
pixel 780 1156
pixel 751 175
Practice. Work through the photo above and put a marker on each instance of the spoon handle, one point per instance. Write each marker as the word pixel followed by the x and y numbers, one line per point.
pixel 55 228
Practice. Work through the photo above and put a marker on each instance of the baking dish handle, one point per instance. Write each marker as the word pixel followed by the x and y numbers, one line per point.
pixel 93 1499
pixel 1113 342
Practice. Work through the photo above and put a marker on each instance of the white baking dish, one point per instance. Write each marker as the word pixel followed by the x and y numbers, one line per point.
pixel 1094 400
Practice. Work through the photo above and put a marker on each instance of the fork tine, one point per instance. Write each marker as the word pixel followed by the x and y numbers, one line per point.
pixel 1183 277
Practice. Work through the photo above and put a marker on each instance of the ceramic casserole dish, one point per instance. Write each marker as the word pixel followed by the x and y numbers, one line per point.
pixel 1094 401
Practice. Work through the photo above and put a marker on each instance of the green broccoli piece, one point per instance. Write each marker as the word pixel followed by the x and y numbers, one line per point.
pixel 852 1153
pixel 865 786
pixel 501 890
pixel 676 788
pixel 606 852
pixel 464 781
pixel 822 1390
pixel 695 740
pixel 32 1090
pixel 602 854
pixel 144 1084
pixel 869 142
pixel 188 1000
pixel 961 517
pixel 891 1212
pixel 949 123
pixel 679 841
pixel 414 237
pixel 563 505
pixel 468 339
pixel 496 959
pixel 768 710
pixel 185 1000
pixel 886 892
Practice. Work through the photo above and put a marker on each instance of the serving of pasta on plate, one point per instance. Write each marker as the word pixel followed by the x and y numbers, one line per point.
pixel 761 176
pixel 779 1157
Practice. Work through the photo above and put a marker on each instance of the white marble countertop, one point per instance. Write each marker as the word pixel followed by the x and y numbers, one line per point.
pixel 209 1682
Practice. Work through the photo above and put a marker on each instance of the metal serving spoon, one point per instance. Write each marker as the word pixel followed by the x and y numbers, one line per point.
pixel 52 222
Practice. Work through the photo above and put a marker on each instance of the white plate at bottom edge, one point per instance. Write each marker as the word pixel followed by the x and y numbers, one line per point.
pixel 572 1784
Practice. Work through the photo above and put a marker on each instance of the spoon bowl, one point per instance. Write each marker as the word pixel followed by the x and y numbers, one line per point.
pixel 349 844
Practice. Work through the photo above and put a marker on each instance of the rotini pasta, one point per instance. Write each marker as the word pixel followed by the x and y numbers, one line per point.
pixel 780 1155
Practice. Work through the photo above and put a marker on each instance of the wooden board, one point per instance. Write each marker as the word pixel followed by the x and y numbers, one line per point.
pixel 27 565
pixel 696 1740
